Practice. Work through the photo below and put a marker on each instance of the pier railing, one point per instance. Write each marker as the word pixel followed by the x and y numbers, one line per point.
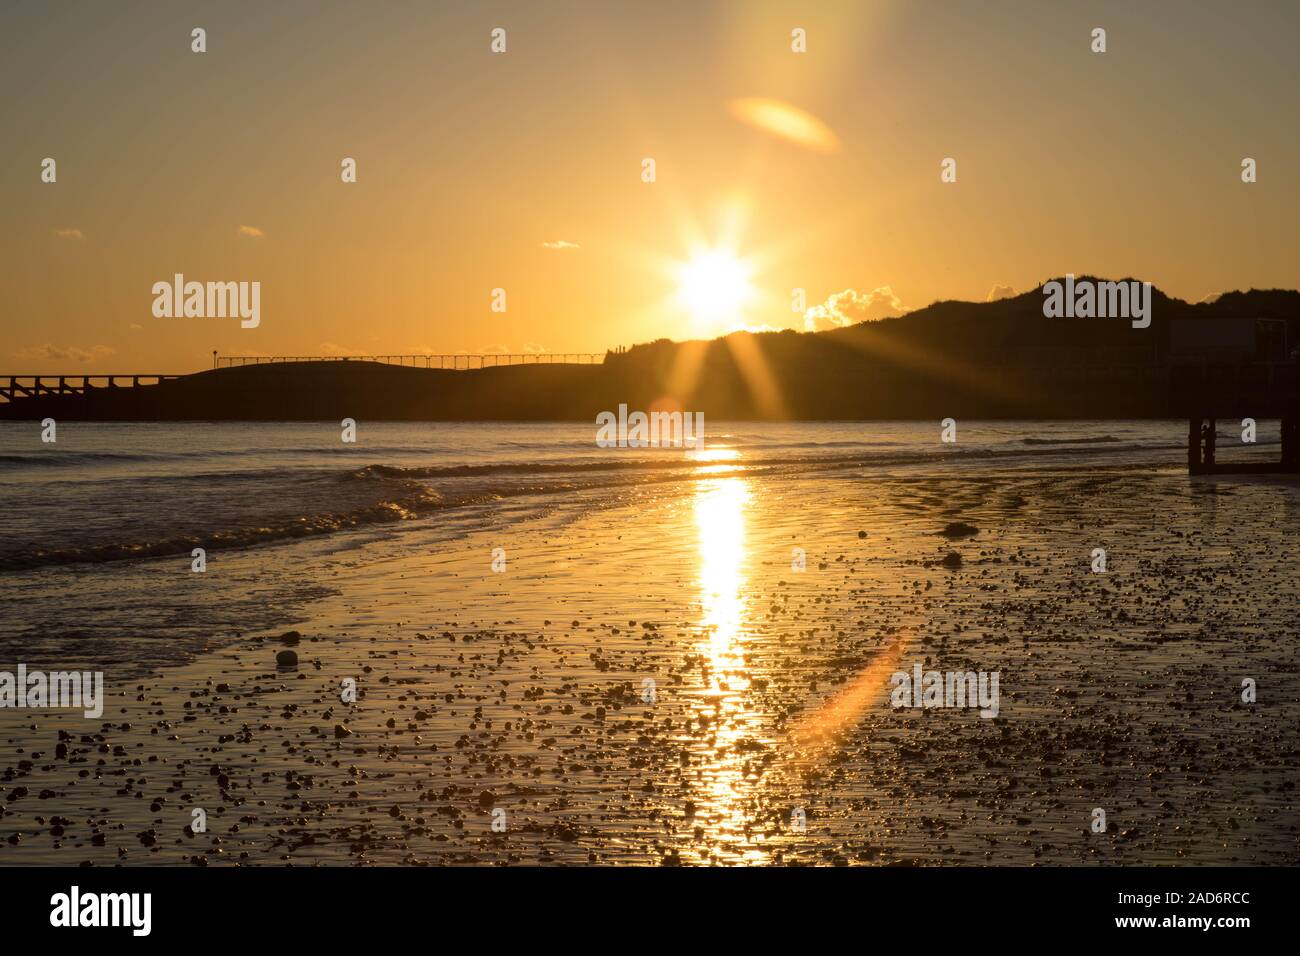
pixel 460 361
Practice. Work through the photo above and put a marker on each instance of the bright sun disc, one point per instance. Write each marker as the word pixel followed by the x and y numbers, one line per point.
pixel 714 286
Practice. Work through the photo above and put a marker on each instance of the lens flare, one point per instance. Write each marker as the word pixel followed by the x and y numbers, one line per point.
pixel 786 122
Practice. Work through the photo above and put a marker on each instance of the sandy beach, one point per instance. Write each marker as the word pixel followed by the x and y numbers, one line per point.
pixel 651 680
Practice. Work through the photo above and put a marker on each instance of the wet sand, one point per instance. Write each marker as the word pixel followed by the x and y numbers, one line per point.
pixel 523 692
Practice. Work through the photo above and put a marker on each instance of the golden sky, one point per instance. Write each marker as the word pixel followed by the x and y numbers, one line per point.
pixel 523 170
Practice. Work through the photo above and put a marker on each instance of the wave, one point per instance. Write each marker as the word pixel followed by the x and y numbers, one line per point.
pixel 66 458
pixel 677 461
pixel 55 458
pixel 516 468
pixel 1095 440
pixel 413 505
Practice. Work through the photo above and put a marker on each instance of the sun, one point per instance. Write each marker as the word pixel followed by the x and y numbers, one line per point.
pixel 714 287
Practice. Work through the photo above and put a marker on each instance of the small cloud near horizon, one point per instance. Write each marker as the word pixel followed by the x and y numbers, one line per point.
pixel 74 234
pixel 333 349
pixel 251 232
pixel 851 307
pixel 1000 292
pixel 560 244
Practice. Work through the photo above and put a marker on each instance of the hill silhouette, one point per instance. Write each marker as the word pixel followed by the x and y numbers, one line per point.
pixel 1000 359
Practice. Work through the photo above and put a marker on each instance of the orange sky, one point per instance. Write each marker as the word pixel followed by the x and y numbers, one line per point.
pixel 470 163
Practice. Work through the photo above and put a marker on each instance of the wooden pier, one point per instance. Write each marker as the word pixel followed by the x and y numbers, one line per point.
pixel 1202 451
pixel 1209 392
pixel 35 386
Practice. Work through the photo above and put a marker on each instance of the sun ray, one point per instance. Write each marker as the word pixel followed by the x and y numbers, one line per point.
pixel 758 375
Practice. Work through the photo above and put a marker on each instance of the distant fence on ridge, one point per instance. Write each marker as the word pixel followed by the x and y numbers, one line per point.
pixel 459 362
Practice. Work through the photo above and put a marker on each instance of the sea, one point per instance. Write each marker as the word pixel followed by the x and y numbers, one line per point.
pixel 89 520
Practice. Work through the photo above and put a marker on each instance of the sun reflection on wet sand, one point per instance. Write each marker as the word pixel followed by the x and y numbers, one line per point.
pixel 740 759
pixel 724 713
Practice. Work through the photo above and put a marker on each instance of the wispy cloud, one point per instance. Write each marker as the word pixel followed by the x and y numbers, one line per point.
pixel 252 232
pixel 74 234
pixel 850 306
pixel 560 244
pixel 65 353
pixel 1000 292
